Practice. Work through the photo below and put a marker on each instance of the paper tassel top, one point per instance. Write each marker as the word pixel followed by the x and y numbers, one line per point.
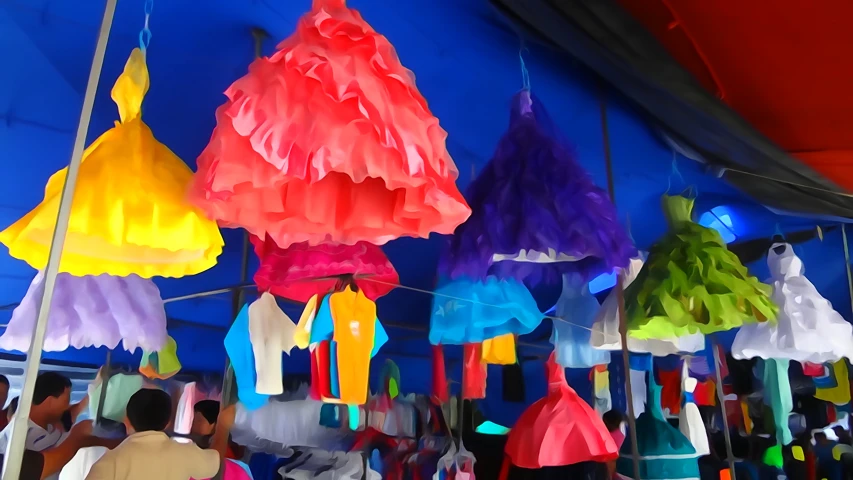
pixel 691 283
pixel 302 271
pixel 560 429
pixel 808 328
pixel 329 140
pixel 130 214
pixel 536 212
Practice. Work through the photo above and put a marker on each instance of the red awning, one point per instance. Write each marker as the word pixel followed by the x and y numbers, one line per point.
pixel 785 66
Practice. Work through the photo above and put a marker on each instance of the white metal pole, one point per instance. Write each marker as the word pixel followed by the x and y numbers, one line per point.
pixel 15 452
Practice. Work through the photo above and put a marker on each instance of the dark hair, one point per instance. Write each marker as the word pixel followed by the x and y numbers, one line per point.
pixel 820 436
pixel 13 405
pixel 209 409
pixel 50 384
pixel 612 419
pixel 4 380
pixel 149 410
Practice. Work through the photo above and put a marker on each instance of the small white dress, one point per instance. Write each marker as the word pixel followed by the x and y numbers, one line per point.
pixel 605 329
pixel 689 419
pixel 807 329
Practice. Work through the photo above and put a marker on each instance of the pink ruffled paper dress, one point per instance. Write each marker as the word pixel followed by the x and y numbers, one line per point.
pixel 302 271
pixel 329 140
pixel 91 311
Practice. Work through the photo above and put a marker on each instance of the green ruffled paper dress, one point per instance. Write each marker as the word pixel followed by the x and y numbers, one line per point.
pixel 692 283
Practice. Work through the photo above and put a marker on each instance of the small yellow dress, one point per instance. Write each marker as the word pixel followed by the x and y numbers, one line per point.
pixel 130 214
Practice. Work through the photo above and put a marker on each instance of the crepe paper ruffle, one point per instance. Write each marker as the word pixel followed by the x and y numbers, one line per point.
pixel 664 451
pixel 536 212
pixel 302 271
pixel 329 140
pixel 605 330
pixel 691 283
pixel 576 308
pixel 130 214
pixel 91 311
pixel 559 429
pixel 162 364
pixel 465 311
pixel 808 329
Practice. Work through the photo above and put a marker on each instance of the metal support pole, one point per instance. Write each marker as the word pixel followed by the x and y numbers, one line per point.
pixel 847 263
pixel 726 434
pixel 239 295
pixel 15 452
pixel 620 296
pixel 237 300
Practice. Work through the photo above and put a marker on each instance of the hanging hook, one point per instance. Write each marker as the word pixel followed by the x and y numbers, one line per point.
pixel 779 233
pixel 674 172
pixel 525 75
pixel 259 34
pixel 145 33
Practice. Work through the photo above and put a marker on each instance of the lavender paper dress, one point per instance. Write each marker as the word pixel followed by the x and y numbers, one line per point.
pixel 91 311
pixel 536 212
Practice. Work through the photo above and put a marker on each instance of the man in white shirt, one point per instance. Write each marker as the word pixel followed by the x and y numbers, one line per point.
pixel 51 399
pixel 148 453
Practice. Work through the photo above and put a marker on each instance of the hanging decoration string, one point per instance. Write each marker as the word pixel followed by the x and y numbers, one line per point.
pixel 145 33
pixel 475 302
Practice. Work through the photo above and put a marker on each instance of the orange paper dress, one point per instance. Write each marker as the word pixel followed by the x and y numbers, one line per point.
pixel 329 140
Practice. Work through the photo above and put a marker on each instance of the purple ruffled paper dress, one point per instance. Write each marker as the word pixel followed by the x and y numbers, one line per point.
pixel 91 311
pixel 536 212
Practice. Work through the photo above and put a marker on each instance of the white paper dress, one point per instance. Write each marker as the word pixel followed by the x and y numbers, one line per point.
pixel 808 329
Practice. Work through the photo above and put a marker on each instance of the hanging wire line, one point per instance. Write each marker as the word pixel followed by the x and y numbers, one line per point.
pixel 145 33
pixel 475 302
pixel 723 170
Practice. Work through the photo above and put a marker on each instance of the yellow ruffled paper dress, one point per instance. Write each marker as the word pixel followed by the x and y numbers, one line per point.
pixel 130 214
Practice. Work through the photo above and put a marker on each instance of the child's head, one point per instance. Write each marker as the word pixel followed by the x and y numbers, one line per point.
pixel 204 419
pixel 148 410
pixel 613 420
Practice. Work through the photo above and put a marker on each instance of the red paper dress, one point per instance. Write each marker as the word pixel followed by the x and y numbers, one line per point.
pixel 560 429
pixel 301 271
pixel 329 140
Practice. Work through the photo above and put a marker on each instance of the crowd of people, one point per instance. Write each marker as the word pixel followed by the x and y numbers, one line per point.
pixel 54 436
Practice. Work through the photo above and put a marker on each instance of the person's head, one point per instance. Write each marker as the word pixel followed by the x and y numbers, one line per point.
pixel 204 418
pixel 148 410
pixel 4 390
pixel 13 407
pixel 52 397
pixel 613 420
pixel 820 438
pixel 841 433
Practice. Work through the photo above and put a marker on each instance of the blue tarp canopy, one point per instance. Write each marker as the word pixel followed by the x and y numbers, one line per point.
pixel 466 59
